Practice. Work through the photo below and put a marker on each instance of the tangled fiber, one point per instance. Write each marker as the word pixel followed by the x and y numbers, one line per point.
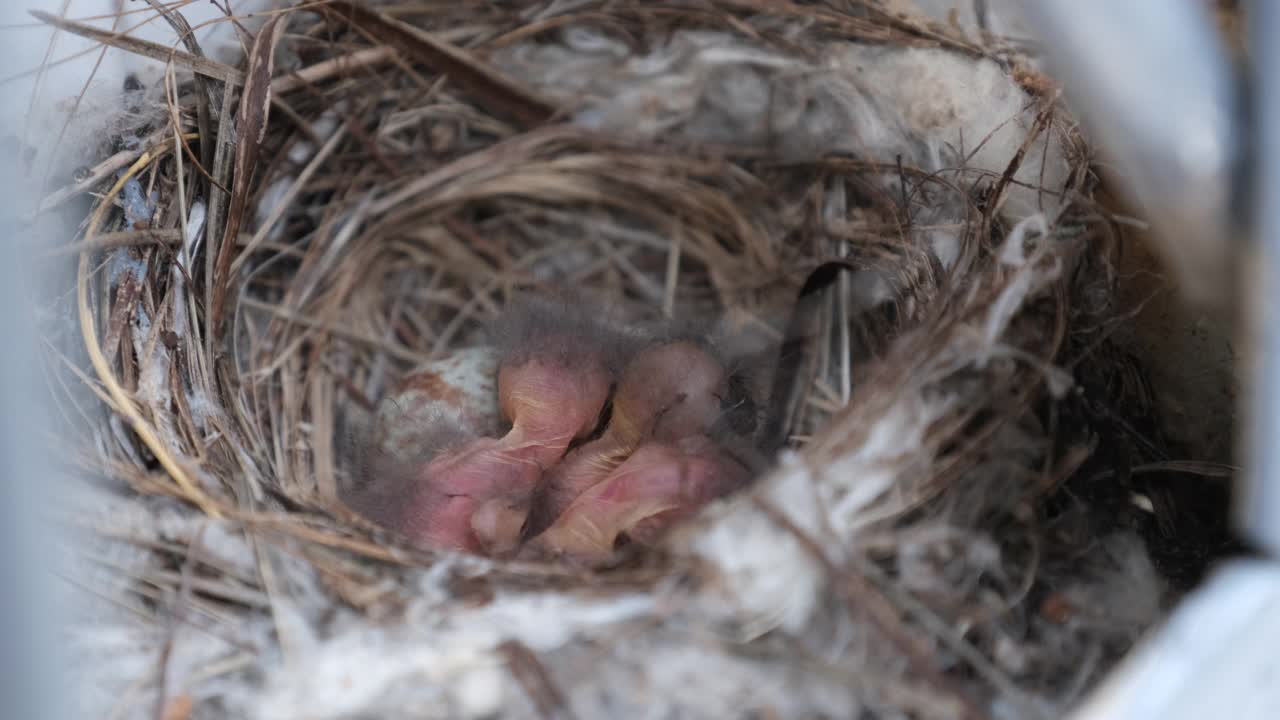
pixel 961 524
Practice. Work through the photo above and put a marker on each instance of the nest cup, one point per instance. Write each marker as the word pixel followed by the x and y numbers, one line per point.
pixel 961 522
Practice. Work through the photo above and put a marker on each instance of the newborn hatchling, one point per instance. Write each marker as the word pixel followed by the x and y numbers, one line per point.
pixel 610 438
pixel 655 461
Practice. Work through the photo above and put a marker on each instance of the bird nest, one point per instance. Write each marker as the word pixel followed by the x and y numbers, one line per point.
pixel 891 224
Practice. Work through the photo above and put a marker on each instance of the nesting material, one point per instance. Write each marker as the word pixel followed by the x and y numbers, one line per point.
pixel 887 226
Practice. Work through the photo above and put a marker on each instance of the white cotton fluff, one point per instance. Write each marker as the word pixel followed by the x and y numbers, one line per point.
pixel 959 117
pixel 966 117
pixel 116 654
pixel 442 661
pixel 767 578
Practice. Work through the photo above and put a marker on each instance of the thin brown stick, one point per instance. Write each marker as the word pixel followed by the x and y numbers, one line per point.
pixel 146 48
pixel 496 92
pixel 255 105
pixel 335 66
